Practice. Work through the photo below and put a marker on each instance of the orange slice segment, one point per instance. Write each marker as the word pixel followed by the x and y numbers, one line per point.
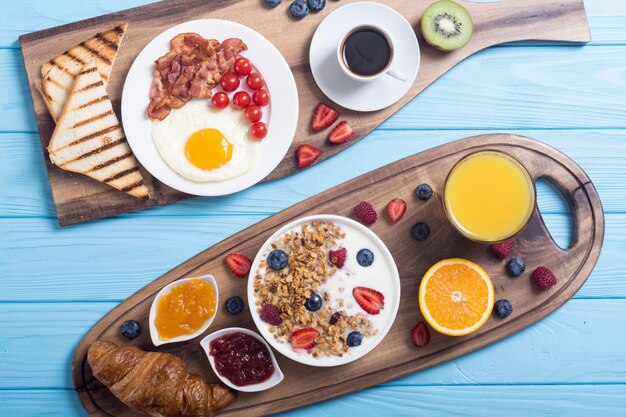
pixel 456 297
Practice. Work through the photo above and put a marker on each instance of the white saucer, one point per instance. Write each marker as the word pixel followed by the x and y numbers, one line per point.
pixel 280 84
pixel 357 95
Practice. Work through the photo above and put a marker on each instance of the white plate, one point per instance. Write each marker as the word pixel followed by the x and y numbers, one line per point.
pixel 392 298
pixel 358 95
pixel 154 333
pixel 279 82
pixel 272 381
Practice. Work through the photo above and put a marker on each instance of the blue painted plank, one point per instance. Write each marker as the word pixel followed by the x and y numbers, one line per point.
pixel 501 88
pixel 118 257
pixel 577 344
pixel 607 18
pixel 434 401
pixel 25 192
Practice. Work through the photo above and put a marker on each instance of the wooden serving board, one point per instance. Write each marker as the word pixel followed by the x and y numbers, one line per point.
pixel 395 356
pixel 79 199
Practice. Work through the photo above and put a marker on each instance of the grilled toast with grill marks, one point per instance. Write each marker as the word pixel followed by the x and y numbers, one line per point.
pixel 57 75
pixel 88 138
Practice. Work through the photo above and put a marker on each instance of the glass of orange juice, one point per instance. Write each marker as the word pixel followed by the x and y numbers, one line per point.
pixel 489 196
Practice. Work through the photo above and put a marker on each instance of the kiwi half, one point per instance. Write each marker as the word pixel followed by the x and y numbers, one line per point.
pixel 447 25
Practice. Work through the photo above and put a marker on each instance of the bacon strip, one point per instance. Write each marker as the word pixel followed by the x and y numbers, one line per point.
pixel 191 69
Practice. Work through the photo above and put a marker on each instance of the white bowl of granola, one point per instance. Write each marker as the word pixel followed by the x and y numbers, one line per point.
pixel 324 290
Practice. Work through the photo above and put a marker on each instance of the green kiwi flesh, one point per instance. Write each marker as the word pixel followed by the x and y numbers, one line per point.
pixel 447 25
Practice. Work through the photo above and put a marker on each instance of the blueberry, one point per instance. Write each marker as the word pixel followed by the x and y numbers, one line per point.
pixel 317 5
pixel 234 305
pixel 365 257
pixel 424 192
pixel 515 267
pixel 354 339
pixel 420 231
pixel 314 302
pixel 272 3
pixel 299 9
pixel 503 308
pixel 131 329
pixel 277 259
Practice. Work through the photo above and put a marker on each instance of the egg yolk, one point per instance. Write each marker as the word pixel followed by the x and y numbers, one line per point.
pixel 208 149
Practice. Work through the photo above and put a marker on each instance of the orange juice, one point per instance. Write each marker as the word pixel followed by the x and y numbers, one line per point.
pixel 489 196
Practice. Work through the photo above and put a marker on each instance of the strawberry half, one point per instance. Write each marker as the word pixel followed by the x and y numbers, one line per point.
pixel 338 257
pixel 420 335
pixel 323 117
pixel 370 300
pixel 307 154
pixel 341 133
pixel 239 264
pixel 396 209
pixel 304 339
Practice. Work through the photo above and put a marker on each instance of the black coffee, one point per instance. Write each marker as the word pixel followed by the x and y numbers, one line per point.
pixel 366 51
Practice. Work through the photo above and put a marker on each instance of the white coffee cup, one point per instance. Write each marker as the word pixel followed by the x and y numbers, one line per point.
pixel 387 70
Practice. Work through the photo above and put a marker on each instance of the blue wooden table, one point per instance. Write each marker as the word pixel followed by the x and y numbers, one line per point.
pixel 55 283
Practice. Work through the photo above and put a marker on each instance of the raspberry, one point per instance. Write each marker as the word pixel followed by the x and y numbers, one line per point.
pixel 271 314
pixel 366 213
pixel 338 257
pixel 503 249
pixel 544 278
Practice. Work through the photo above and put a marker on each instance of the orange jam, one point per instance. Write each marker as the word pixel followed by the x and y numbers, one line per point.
pixel 184 309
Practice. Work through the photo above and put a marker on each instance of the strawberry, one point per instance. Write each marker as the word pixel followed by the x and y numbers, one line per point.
pixel 338 257
pixel 307 154
pixel 304 339
pixel 341 133
pixel 420 335
pixel 370 300
pixel 366 213
pixel 396 209
pixel 239 264
pixel 503 249
pixel 544 278
pixel 323 117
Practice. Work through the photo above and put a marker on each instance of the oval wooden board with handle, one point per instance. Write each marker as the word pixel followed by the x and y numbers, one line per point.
pixel 79 199
pixel 395 356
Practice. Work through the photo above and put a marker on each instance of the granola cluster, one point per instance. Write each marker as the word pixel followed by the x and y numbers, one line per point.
pixel 289 288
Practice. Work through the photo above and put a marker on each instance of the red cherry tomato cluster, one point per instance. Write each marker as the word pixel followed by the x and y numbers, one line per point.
pixel 251 105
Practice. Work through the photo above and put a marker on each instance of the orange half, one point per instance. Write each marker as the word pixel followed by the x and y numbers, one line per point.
pixel 456 297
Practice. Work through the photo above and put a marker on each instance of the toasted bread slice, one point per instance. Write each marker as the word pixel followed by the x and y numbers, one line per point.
pixel 57 75
pixel 88 138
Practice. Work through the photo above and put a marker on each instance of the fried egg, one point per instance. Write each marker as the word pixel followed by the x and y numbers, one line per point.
pixel 203 144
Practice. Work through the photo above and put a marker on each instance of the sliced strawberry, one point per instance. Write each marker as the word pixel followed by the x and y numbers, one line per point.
pixel 307 154
pixel 323 117
pixel 370 300
pixel 304 339
pixel 239 264
pixel 420 335
pixel 341 133
pixel 396 209
pixel 338 257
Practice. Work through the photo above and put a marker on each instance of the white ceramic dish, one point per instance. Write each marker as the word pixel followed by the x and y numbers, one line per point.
pixel 274 380
pixel 154 334
pixel 359 276
pixel 279 82
pixel 358 95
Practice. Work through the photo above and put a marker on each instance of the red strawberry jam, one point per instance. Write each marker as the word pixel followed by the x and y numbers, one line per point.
pixel 242 359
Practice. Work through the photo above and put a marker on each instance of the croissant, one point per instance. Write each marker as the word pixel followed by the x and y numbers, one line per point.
pixel 153 383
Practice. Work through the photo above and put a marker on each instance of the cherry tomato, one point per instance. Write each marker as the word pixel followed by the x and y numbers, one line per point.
pixel 258 130
pixel 220 100
pixel 261 97
pixel 255 81
pixel 229 81
pixel 242 67
pixel 241 99
pixel 253 113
